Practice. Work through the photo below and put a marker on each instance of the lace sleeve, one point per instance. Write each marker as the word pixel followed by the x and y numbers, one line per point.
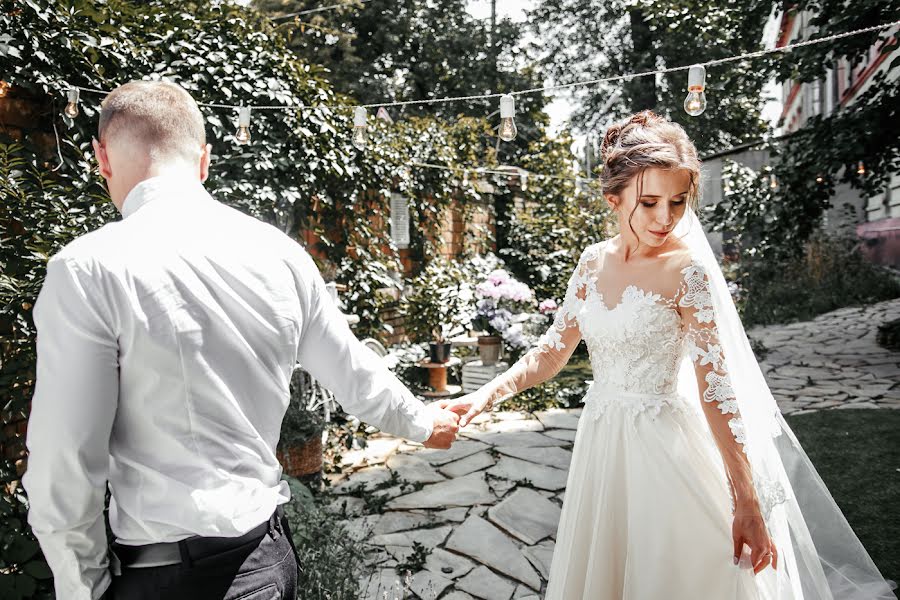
pixel 702 339
pixel 556 346
pixel 565 323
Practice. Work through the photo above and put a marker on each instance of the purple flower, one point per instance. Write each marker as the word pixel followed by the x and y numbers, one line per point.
pixel 548 306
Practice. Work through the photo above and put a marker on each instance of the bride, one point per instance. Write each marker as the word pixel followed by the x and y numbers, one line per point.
pixel 685 483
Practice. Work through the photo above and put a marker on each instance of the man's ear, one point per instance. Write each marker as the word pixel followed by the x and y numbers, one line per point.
pixel 205 157
pixel 102 159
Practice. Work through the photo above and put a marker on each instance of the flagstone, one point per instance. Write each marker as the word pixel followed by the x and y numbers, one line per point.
pixel 470 464
pixel 516 438
pixel 428 538
pixel 557 418
pixel 429 585
pixel 527 515
pixel 414 469
pixel 566 435
pixel 368 479
pixel 510 426
pixel 393 521
pixel 448 564
pixel 482 541
pixel 457 515
pixel 540 476
pixel 457 595
pixel 460 449
pixel 551 457
pixel 484 583
pixel 463 491
pixel 540 555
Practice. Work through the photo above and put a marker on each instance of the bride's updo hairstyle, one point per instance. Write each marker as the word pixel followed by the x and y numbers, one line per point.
pixel 645 141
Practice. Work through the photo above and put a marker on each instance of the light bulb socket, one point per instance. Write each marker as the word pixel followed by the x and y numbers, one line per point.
pixel 697 78
pixel 244 116
pixel 359 117
pixel 507 107
pixel 73 94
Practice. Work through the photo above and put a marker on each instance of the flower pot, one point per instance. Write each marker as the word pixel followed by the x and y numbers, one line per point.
pixel 489 349
pixel 440 351
pixel 302 461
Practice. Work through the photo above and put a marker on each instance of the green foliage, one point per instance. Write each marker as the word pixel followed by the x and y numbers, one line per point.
pixel 39 214
pixel 401 50
pixel 831 274
pixel 330 558
pixel 415 562
pixel 788 270
pixel 440 301
pixel 546 235
pixel 300 424
pixel 587 40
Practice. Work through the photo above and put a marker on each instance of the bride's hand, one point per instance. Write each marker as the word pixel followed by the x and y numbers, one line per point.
pixel 469 406
pixel 750 528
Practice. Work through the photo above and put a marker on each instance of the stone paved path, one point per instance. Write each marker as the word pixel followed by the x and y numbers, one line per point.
pixel 479 520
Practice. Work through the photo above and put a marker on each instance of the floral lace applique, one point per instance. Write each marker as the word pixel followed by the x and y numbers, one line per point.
pixel 703 346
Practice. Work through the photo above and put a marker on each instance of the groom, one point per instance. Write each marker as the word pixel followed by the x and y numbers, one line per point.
pixel 165 348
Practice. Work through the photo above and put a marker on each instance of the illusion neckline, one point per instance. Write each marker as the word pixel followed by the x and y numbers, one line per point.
pixel 665 302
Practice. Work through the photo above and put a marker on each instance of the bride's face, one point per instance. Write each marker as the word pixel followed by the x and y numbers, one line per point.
pixel 656 212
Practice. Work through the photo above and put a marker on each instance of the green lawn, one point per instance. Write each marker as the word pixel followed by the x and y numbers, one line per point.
pixel 857 454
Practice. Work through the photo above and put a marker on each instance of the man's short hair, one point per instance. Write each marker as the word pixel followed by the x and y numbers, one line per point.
pixel 160 115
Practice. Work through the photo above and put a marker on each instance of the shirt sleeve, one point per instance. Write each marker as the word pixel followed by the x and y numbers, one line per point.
pixel 555 347
pixel 73 408
pixel 359 379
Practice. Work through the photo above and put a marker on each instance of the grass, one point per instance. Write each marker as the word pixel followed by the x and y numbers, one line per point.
pixel 857 454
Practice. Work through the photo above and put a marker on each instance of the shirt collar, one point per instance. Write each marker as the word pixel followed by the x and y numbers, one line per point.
pixel 161 187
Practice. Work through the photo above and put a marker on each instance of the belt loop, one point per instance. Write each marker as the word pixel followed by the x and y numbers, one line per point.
pixel 185 554
pixel 274 526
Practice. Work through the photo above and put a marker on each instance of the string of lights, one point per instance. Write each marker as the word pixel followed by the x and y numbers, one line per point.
pixel 695 102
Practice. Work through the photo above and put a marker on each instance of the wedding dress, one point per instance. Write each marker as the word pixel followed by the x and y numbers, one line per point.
pixel 648 509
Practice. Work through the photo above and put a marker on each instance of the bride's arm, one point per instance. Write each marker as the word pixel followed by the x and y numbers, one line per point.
pixel 542 362
pixel 720 407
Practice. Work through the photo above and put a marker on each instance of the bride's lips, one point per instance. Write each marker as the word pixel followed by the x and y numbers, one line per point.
pixel 663 234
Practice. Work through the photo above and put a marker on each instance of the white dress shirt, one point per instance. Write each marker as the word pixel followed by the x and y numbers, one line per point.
pixel 165 346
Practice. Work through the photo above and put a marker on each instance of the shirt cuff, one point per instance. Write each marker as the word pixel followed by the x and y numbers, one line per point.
pixel 423 424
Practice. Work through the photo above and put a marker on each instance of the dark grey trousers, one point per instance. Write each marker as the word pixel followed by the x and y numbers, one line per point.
pixel 263 569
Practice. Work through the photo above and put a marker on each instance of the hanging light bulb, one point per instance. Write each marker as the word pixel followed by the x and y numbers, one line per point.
pixel 242 136
pixel 508 129
pixel 773 183
pixel 819 178
pixel 360 136
pixel 695 103
pixel 465 179
pixel 523 178
pixel 861 168
pixel 4 88
pixel 71 109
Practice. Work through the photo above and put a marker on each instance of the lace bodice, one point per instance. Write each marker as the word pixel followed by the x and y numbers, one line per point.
pixel 636 346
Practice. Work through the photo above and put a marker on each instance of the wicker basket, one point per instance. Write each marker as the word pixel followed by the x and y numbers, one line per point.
pixel 301 461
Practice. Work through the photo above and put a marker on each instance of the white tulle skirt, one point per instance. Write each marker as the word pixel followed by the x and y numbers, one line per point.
pixel 647 512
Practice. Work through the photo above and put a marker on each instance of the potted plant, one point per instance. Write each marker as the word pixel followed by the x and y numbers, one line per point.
pixel 299 448
pixel 501 307
pixel 437 304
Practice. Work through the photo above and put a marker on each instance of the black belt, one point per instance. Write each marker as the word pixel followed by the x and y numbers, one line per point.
pixel 188 550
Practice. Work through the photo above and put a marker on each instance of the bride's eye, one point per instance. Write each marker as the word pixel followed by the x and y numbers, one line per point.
pixel 678 202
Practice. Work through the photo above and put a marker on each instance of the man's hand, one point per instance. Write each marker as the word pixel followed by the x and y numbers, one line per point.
pixel 469 406
pixel 446 425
